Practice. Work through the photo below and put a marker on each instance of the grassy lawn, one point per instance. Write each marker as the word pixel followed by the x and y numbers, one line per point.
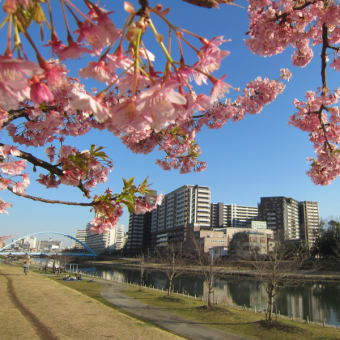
pixel 236 321
pixel 87 287
pixel 92 289
pixel 36 307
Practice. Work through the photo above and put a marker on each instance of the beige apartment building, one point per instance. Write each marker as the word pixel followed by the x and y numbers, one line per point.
pixel 309 222
pixel 181 208
pixel 232 215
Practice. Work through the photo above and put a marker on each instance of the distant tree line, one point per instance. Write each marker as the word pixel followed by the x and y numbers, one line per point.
pixel 327 245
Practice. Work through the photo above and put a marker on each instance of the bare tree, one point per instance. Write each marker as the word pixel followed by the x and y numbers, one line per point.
pixel 207 263
pixel 172 261
pixel 141 261
pixel 276 270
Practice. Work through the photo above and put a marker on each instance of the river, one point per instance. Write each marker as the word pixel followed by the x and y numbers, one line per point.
pixel 317 301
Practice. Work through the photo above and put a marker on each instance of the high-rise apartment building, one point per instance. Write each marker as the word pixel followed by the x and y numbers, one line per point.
pixel 309 222
pixel 120 237
pixel 139 229
pixel 139 232
pixel 282 216
pixel 189 204
pixel 186 205
pixel 81 236
pixel 232 215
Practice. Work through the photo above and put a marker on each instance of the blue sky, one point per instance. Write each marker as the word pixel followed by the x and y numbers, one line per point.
pixel 259 156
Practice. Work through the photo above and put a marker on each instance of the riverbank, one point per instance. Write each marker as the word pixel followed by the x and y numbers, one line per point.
pixel 245 323
pixel 189 318
pixel 307 275
pixel 43 306
pixel 35 307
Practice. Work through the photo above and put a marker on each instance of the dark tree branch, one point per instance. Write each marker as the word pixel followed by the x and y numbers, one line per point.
pixel 144 6
pixel 15 114
pixel 324 58
pixel 39 162
pixel 208 3
pixel 44 200
pixel 22 113
pixel 325 45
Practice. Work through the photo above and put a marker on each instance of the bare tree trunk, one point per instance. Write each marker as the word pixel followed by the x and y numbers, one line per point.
pixel 210 292
pixel 173 268
pixel 170 288
pixel 270 302
pixel 210 280
pixel 141 271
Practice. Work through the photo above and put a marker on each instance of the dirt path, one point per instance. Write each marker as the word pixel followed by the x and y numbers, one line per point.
pixel 112 292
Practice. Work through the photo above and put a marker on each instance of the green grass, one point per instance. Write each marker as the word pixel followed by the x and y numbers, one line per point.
pixel 93 289
pixel 234 320
pixel 88 287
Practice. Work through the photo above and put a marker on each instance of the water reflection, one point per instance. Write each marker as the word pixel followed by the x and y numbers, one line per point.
pixel 317 301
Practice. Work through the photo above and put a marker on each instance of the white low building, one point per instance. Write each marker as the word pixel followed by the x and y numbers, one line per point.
pixel 81 236
pixel 100 242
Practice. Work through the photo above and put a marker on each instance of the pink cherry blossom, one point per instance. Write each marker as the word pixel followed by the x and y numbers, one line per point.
pixel 50 152
pixel 4 206
pixel 99 71
pixel 49 181
pixel 336 63
pixel 4 183
pixel 219 89
pixel 72 51
pixel 20 187
pixel 80 100
pixel 101 35
pixel 40 93
pixel 14 75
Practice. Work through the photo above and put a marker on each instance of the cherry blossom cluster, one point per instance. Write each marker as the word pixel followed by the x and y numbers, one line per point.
pixel 12 173
pixel 78 167
pixel 276 25
pixel 147 203
pixel 108 207
pixel 145 105
pixel 319 115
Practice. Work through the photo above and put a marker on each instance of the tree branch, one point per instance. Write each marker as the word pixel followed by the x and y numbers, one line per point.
pixel 208 3
pixel 324 58
pixel 44 200
pixel 53 169
pixel 14 114
pixel 22 113
pixel 39 162
pixel 325 45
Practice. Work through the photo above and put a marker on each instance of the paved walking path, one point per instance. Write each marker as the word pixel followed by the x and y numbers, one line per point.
pixel 34 307
pixel 189 329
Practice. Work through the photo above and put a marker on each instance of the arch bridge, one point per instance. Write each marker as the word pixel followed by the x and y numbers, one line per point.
pixel 86 247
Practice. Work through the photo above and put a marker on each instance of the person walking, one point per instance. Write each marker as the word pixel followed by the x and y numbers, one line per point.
pixel 27 262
